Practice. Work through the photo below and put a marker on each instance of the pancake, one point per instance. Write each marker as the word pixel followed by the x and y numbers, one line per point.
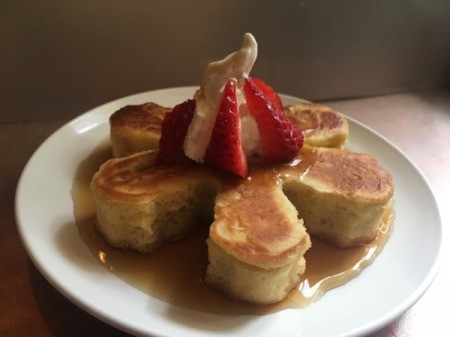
pixel 257 242
pixel 140 206
pixel 321 126
pixel 136 128
pixel 342 195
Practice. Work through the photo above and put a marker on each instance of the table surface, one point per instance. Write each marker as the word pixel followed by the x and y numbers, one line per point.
pixel 417 122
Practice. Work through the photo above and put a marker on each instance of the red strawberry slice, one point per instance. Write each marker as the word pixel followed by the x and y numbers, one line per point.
pixel 268 92
pixel 279 138
pixel 225 148
pixel 173 131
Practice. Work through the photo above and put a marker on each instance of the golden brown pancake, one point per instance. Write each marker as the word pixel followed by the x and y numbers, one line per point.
pixel 136 128
pixel 342 195
pixel 141 206
pixel 256 242
pixel 321 126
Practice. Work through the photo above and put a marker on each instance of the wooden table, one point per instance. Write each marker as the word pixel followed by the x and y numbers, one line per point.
pixel 418 123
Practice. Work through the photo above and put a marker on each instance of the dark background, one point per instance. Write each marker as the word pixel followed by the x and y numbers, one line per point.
pixel 61 58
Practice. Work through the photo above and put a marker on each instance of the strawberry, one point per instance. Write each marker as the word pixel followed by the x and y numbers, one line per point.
pixel 279 138
pixel 268 91
pixel 225 148
pixel 173 131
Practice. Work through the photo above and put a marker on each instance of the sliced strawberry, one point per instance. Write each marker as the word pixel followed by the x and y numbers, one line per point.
pixel 225 148
pixel 279 138
pixel 173 131
pixel 268 92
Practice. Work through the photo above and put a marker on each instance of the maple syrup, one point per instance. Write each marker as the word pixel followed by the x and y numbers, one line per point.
pixel 175 272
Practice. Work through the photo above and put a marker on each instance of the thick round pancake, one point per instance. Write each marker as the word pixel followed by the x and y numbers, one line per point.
pixel 136 128
pixel 356 176
pixel 321 126
pixel 340 195
pixel 136 178
pixel 257 242
pixel 256 223
pixel 141 205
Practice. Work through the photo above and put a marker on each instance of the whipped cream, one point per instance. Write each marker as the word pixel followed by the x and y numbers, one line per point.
pixel 237 65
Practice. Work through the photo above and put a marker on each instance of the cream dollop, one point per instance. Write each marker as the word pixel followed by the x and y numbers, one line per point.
pixel 237 65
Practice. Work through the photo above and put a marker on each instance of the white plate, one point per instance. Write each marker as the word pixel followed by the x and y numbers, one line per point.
pixel 387 288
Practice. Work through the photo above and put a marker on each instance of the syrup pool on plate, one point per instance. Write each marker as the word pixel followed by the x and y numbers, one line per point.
pixel 175 272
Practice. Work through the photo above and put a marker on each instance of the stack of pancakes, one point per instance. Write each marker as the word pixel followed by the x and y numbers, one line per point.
pixel 260 225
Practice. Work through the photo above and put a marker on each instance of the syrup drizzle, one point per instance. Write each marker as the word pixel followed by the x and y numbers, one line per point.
pixel 175 272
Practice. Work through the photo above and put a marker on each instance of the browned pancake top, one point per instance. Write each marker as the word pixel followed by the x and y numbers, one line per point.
pixel 313 117
pixel 143 117
pixel 137 179
pixel 256 223
pixel 358 176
